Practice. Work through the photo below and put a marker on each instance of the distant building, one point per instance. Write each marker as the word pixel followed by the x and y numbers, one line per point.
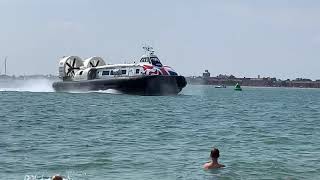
pixel 232 77
pixel 302 79
pixel 221 76
pixel 206 74
pixel 260 81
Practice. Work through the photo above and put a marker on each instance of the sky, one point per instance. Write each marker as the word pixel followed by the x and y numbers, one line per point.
pixel 247 38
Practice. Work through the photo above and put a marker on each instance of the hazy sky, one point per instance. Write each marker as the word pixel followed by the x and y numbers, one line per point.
pixel 246 38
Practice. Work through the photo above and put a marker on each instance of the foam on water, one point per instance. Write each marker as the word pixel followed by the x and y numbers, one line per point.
pixel 68 175
pixel 41 177
pixel 109 91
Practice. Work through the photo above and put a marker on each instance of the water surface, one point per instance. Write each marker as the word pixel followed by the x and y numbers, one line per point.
pixel 262 133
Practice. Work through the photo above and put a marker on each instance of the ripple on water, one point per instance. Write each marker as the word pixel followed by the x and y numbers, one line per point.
pixel 261 134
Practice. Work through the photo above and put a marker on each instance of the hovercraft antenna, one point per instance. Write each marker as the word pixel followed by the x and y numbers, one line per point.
pixel 148 49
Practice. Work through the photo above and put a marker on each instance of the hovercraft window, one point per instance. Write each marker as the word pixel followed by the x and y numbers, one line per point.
pixel 124 72
pixel 80 73
pixel 137 71
pixel 105 72
pixel 145 60
pixel 111 72
pixel 155 61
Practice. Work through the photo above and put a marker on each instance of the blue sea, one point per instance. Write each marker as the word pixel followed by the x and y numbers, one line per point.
pixel 262 133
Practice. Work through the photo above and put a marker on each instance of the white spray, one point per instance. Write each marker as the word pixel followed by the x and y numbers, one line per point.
pixel 30 85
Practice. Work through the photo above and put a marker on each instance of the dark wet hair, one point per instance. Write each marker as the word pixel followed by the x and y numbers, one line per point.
pixel 214 153
pixel 57 178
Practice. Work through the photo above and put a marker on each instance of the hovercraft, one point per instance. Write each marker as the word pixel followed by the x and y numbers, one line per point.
pixel 147 77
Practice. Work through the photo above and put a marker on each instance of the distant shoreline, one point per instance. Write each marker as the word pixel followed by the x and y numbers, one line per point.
pixel 207 80
pixel 254 82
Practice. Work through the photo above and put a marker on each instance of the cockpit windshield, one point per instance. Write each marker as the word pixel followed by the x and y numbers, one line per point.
pixel 155 61
pixel 145 60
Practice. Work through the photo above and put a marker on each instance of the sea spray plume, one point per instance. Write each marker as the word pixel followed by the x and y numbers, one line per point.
pixel 30 85
pixel 37 85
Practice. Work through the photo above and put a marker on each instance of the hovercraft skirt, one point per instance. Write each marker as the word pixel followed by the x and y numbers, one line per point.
pixel 140 85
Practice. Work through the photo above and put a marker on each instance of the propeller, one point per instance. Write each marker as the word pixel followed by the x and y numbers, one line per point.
pixel 72 68
pixel 97 63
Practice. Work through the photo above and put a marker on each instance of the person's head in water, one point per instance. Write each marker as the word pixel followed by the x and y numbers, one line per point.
pixel 57 177
pixel 214 153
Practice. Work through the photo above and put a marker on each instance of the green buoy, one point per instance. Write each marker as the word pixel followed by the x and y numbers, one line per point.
pixel 238 87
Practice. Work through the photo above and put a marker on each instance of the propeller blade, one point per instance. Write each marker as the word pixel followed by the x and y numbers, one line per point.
pixel 97 63
pixel 69 70
pixel 74 62
pixel 91 64
pixel 68 65
pixel 77 68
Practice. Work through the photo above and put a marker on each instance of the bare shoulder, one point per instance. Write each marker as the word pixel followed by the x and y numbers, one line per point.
pixel 206 165
pixel 221 166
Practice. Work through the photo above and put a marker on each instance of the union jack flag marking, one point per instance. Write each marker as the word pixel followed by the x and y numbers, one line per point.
pixel 154 70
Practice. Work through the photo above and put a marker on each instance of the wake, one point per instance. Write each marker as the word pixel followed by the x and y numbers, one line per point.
pixel 108 91
pixel 41 85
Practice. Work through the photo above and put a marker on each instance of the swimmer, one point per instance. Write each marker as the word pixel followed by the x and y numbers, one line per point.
pixel 57 177
pixel 214 160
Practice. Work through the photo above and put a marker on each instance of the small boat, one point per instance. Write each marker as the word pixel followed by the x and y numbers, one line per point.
pixel 147 77
pixel 238 87
pixel 221 86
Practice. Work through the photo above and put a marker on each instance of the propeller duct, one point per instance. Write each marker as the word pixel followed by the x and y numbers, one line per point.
pixel 94 62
